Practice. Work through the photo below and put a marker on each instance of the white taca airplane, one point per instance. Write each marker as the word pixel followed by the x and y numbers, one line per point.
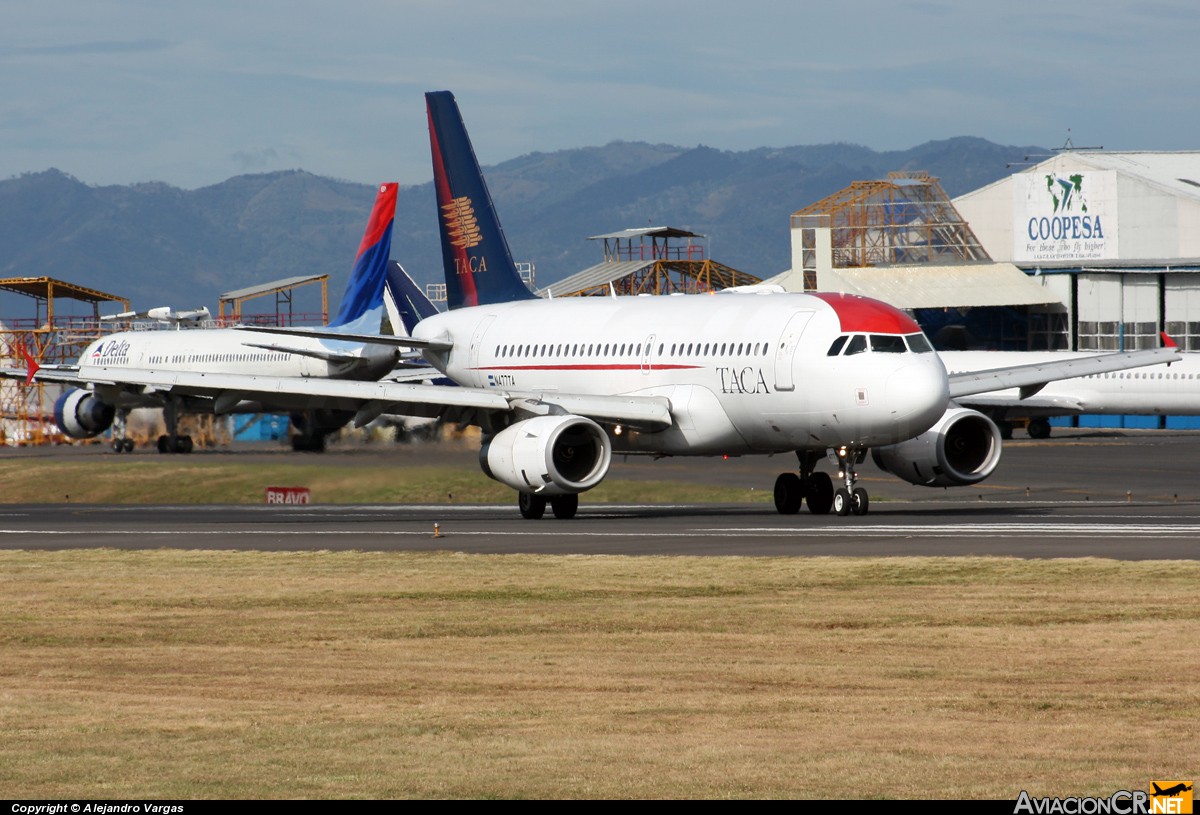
pixel 558 386
pixel 108 380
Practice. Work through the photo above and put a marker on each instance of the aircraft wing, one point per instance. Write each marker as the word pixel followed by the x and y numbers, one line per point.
pixel 1032 378
pixel 370 339
pixel 328 356
pixel 1050 405
pixel 371 399
pixel 54 374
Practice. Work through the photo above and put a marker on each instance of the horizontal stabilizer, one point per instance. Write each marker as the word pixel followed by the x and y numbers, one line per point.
pixel 370 339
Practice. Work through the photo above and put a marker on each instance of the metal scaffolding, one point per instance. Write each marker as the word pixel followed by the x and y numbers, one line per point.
pixel 651 260
pixel 49 339
pixel 284 314
pixel 906 220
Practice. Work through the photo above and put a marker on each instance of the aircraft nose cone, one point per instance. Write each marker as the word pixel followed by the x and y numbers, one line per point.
pixel 918 395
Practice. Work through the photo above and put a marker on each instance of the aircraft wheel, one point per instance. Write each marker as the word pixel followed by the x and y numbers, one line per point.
pixel 789 493
pixel 1006 429
pixel 532 507
pixel 164 444
pixel 859 501
pixel 183 444
pixel 1038 429
pixel 308 444
pixel 565 506
pixel 820 494
pixel 118 445
pixel 842 501
pixel 128 445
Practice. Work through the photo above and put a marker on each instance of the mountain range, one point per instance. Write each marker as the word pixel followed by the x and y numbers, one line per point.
pixel 160 245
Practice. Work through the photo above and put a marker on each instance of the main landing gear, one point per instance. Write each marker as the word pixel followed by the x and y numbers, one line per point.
pixel 792 490
pixel 171 441
pixel 121 443
pixel 533 507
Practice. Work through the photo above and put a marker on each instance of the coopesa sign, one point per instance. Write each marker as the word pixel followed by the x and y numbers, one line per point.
pixel 1065 215
pixel 1075 227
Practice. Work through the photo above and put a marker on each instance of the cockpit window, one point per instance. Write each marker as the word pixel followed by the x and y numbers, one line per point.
pixel 857 344
pixel 836 348
pixel 919 343
pixel 887 344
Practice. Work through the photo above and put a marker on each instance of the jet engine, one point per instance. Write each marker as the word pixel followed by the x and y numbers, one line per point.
pixel 312 426
pixel 962 448
pixel 81 415
pixel 550 455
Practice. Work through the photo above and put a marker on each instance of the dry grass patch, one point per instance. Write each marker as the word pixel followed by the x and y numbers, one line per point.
pixel 329 675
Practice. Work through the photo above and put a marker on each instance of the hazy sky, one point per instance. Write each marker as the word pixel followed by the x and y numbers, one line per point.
pixel 191 94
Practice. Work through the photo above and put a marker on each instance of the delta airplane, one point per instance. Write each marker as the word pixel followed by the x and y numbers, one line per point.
pixel 109 374
pixel 1159 390
pixel 558 386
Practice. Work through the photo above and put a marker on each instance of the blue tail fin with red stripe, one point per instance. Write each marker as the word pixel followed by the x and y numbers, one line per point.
pixel 362 305
pixel 476 260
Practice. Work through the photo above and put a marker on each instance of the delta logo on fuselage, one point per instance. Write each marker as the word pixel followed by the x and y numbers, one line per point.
pixel 110 349
pixel 1067 195
pixel 463 229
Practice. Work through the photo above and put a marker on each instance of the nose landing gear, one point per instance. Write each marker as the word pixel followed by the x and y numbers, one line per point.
pixel 792 490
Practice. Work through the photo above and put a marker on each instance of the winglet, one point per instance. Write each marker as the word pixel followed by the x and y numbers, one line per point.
pixel 1167 341
pixel 31 364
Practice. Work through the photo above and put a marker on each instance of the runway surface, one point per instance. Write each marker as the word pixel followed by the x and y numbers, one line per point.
pixel 1128 495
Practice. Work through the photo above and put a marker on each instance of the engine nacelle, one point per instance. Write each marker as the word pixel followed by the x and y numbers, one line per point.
pixel 81 414
pixel 962 448
pixel 549 455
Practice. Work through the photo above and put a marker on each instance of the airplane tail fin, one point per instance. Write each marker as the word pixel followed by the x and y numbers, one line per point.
pixel 405 297
pixel 362 304
pixel 476 260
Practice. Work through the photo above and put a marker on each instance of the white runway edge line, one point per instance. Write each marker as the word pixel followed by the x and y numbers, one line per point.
pixel 962 531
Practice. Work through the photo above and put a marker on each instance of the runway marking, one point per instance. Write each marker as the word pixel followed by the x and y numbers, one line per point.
pixel 998 530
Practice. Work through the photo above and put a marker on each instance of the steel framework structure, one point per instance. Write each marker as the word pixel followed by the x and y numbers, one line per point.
pixel 670 277
pixel 906 220
pixel 47 338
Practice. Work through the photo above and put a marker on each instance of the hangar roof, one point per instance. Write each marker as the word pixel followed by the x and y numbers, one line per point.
pixel 273 286
pixel 598 275
pixel 648 232
pixel 940 286
pixel 1178 172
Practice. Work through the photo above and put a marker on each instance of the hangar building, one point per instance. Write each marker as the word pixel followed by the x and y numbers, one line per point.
pixel 1114 236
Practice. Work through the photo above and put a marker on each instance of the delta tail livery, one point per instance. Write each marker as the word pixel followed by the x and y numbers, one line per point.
pixel 111 372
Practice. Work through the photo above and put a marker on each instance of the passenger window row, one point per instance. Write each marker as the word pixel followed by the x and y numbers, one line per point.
pixel 691 349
